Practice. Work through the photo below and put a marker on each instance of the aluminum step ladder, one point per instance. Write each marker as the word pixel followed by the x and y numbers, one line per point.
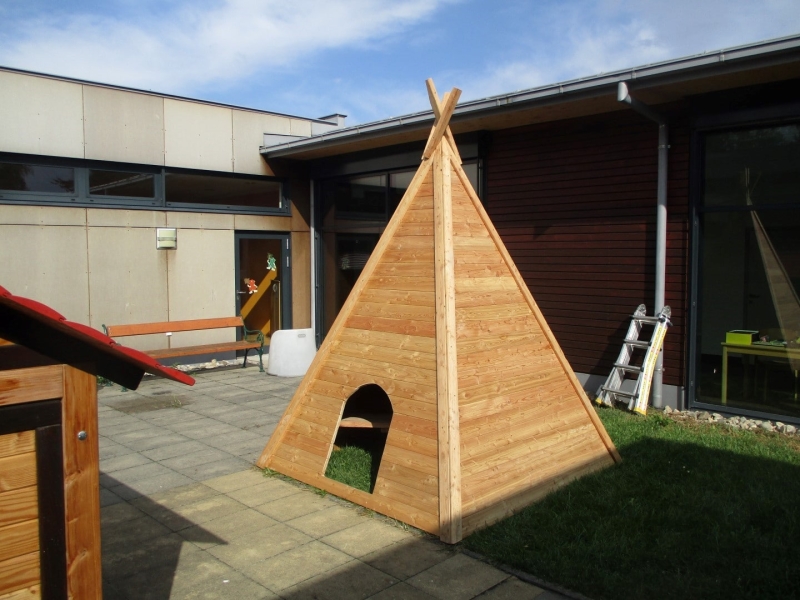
pixel 637 399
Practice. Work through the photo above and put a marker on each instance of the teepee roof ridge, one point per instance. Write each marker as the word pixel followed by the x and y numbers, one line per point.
pixel 442 111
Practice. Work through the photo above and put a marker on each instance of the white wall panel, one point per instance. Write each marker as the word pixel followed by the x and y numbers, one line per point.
pixel 197 136
pixel 248 136
pixel 123 126
pixel 114 217
pixel 127 281
pixel 201 282
pixel 42 215
pixel 47 264
pixel 185 220
pixel 40 116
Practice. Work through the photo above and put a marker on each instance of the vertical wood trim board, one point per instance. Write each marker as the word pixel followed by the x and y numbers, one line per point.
pixel 81 484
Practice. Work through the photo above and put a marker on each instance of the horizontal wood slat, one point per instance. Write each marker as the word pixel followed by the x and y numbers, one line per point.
pixel 207 348
pixel 575 206
pixel 19 572
pixel 29 385
pixel 173 326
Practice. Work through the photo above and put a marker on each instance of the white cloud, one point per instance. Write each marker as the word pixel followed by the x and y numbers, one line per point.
pixel 194 44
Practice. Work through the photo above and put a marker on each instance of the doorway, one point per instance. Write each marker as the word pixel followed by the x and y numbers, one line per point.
pixel 263 281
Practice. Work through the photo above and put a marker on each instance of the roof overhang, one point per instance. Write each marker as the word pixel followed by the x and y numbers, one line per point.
pixel 660 83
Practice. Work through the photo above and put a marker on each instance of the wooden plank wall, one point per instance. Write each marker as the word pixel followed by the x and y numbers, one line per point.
pixel 19 516
pixel 387 339
pixel 524 427
pixel 575 201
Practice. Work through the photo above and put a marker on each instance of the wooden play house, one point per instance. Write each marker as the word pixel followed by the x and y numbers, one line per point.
pixel 485 414
pixel 49 456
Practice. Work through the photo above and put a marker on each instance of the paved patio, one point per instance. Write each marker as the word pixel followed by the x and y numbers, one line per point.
pixel 186 515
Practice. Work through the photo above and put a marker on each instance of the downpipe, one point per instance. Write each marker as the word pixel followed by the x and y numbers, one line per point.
pixel 623 95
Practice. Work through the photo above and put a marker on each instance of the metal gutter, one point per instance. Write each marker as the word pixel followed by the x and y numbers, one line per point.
pixel 594 85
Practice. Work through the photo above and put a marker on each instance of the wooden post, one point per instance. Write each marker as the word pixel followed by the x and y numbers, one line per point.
pixel 81 484
pixel 446 357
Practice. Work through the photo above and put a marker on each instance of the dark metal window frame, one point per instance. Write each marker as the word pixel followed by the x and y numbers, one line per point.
pixel 84 199
pixel 785 114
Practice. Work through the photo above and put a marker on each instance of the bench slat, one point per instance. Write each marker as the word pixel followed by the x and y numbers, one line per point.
pixel 173 326
pixel 207 349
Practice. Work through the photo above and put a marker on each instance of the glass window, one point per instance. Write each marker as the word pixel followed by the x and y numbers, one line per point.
pixel 222 191
pixel 750 272
pixel 359 197
pixel 37 178
pixel 120 183
pixel 756 166
pixel 398 184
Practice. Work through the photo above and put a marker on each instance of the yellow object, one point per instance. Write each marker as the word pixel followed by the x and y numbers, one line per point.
pixel 743 337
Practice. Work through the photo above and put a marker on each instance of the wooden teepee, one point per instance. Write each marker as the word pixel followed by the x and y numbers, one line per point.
pixel 486 414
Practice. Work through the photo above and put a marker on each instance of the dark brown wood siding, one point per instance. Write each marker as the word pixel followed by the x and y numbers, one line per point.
pixel 575 203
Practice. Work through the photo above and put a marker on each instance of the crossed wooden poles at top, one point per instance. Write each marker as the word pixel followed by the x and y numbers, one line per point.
pixel 442 110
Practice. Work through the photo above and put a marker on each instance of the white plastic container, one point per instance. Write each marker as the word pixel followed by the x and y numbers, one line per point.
pixel 291 352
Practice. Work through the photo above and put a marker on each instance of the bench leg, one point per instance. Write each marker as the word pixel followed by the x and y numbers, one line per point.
pixel 244 362
pixel 260 359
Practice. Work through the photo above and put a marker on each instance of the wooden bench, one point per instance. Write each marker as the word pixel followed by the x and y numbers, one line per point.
pixel 251 339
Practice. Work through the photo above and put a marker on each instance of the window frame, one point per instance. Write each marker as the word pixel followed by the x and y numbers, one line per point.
pixel 82 197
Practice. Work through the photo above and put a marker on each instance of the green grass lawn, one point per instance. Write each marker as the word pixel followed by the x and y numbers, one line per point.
pixel 351 465
pixel 693 511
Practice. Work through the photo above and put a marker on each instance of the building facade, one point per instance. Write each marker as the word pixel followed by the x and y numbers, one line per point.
pixel 569 174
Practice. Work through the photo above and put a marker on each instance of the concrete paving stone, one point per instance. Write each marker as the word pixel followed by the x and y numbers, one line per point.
pixel 126 461
pixel 156 441
pixel 191 424
pixel 179 496
pixel 247 416
pixel 227 440
pixel 267 405
pixel 173 450
pixel 131 425
pixel 302 503
pixel 226 529
pixel 249 449
pixel 126 534
pixel 207 431
pixel 153 485
pixel 119 513
pixel 139 472
pixel 192 459
pixel 324 522
pixel 135 435
pixel 366 537
pixel 107 498
pixel 215 469
pixel 401 591
pixel 112 592
pixel 352 580
pixel 110 449
pixel 236 481
pixel 206 509
pixel 170 416
pixel 200 575
pixel 409 557
pixel 458 577
pixel 263 492
pixel 245 397
pixel 110 416
pixel 214 412
pixel 264 432
pixel 249 552
pixel 295 566
pixel 512 589
pixel 120 561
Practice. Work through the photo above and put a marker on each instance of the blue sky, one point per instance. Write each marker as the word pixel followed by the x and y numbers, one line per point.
pixel 366 58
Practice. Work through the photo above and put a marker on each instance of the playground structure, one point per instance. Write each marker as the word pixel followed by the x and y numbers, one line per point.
pixel 484 413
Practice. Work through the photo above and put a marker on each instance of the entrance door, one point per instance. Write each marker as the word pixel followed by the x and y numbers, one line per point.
pixel 263 281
